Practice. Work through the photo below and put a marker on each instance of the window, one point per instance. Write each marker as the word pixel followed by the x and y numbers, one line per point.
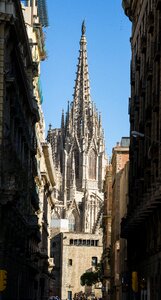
pixel 92 164
pixel 94 261
pixel 88 242
pixel 96 243
pixel 76 157
pixel 69 295
pixel 92 242
pixel 69 262
pixel 80 242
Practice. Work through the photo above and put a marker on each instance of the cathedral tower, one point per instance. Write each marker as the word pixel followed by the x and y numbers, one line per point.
pixel 79 155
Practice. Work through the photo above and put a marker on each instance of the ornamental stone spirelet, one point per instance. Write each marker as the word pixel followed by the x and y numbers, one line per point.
pixel 83 28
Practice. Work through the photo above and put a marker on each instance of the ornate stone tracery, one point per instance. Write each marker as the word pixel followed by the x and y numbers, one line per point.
pixel 80 140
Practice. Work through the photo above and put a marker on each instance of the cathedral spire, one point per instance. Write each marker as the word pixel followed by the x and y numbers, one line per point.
pixel 81 154
pixel 82 101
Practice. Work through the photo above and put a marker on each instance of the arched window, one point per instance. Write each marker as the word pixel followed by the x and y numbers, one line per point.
pixel 92 164
pixel 76 157
pixel 72 223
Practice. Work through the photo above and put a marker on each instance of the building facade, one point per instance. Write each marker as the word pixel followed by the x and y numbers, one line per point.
pixel 79 157
pixel 107 216
pixel 79 253
pixel 124 200
pixel 19 201
pixel 26 165
pixel 35 20
pixel 141 226
pixel 120 156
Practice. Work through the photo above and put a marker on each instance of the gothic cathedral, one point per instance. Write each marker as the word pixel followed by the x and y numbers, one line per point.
pixel 78 151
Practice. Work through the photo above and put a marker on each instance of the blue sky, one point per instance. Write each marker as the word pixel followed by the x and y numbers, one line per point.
pixel 108 32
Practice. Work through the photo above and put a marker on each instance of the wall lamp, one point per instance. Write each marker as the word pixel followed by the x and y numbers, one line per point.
pixel 137 134
pixel 140 134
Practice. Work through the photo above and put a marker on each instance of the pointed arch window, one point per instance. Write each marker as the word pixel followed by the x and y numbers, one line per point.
pixel 72 223
pixel 92 164
pixel 76 157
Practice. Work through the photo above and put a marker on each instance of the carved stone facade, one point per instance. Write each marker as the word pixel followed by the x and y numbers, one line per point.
pixel 79 157
pixel 141 226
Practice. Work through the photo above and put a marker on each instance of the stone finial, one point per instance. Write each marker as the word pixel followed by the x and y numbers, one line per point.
pixel 62 119
pixel 83 27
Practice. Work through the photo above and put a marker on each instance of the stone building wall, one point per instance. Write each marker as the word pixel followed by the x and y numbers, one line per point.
pixel 124 199
pixel 119 158
pixel 107 216
pixel 77 259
